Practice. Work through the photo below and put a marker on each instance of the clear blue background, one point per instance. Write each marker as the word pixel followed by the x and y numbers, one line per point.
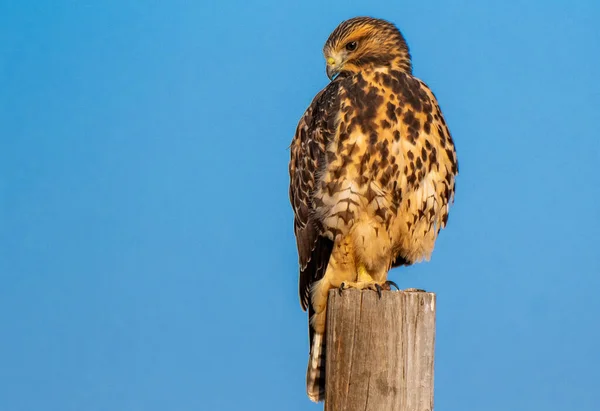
pixel 147 259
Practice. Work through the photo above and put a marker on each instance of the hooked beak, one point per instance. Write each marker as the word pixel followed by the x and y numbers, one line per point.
pixel 332 72
pixel 332 68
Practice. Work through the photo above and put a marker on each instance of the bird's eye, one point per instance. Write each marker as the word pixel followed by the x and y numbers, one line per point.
pixel 351 46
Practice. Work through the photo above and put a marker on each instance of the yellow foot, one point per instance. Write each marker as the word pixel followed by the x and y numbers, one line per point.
pixel 364 285
pixel 366 282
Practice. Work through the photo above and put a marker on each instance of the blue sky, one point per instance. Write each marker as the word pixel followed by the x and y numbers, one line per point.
pixel 147 259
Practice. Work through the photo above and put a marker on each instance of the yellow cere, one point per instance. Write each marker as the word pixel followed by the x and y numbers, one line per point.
pixel 330 60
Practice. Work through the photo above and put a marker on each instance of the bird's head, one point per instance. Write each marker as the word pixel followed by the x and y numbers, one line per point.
pixel 364 42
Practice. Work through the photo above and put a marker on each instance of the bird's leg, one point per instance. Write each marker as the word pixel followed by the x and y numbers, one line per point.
pixel 364 276
pixel 365 281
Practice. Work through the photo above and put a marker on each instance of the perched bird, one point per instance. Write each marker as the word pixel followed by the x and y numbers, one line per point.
pixel 372 173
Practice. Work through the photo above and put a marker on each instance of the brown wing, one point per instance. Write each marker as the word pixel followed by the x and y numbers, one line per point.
pixel 314 131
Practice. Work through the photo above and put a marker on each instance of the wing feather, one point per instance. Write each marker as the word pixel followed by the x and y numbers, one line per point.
pixel 314 131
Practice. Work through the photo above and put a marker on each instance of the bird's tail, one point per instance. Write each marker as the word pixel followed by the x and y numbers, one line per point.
pixel 315 374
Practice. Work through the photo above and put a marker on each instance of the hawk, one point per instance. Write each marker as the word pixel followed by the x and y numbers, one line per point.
pixel 372 173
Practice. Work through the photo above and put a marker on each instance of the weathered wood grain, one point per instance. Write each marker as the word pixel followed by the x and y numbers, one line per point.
pixel 380 351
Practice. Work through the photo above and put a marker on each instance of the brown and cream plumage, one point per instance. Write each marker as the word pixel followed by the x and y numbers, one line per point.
pixel 372 173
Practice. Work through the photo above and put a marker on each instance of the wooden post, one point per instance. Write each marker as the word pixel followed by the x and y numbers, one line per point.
pixel 380 351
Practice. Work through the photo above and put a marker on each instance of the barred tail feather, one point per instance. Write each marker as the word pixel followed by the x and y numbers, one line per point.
pixel 315 374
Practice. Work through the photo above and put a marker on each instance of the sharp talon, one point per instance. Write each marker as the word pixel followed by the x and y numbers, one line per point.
pixel 341 288
pixel 378 289
pixel 390 283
